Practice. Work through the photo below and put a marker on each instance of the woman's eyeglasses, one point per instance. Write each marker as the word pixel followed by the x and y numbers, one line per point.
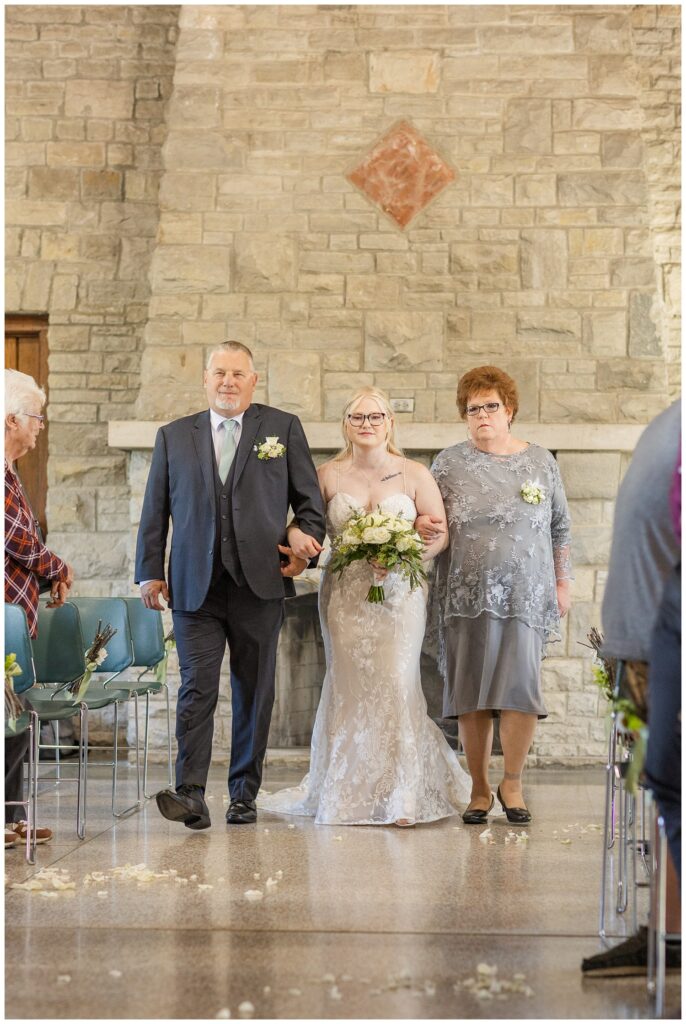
pixel 488 407
pixel 375 418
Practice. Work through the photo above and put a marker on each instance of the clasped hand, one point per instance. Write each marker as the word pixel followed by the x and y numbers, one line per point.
pixel 59 591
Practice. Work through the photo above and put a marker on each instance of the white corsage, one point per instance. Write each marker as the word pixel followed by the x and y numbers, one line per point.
pixel 271 448
pixel 532 492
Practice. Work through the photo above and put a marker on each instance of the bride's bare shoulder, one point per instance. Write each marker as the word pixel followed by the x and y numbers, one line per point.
pixel 327 474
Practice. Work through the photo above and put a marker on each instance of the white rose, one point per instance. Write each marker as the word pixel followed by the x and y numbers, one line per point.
pixel 271 441
pixel 376 535
pixel 350 538
pixel 406 543
pixel 404 526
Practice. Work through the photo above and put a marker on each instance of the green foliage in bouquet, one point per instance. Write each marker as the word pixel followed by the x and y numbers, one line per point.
pixel 389 541
pixel 13 708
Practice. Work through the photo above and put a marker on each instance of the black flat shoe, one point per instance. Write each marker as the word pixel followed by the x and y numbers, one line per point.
pixel 477 817
pixel 515 815
pixel 186 804
pixel 241 812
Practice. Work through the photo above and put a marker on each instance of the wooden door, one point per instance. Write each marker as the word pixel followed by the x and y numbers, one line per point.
pixel 26 349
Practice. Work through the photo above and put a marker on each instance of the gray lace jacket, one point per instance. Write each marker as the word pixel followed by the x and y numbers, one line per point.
pixel 505 554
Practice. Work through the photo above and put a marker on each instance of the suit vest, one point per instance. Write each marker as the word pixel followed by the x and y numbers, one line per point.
pixel 225 547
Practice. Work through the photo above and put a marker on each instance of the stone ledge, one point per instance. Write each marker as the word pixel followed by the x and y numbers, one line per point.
pixel 133 435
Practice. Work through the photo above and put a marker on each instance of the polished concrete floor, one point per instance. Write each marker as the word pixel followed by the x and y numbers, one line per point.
pixel 355 922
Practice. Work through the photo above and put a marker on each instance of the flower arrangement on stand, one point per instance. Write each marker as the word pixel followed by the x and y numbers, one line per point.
pixel 13 708
pixel 95 656
pixel 630 723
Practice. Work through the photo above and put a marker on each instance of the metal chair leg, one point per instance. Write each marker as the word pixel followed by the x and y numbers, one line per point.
pixel 30 852
pixel 608 827
pixel 83 774
pixel 135 806
pixel 622 851
pixel 58 765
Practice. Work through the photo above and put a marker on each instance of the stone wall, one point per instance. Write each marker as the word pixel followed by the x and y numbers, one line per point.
pixel 86 94
pixel 554 251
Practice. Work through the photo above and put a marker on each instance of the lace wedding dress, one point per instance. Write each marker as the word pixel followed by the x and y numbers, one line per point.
pixel 376 755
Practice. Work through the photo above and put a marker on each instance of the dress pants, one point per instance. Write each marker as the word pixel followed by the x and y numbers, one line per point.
pixel 251 626
pixel 663 757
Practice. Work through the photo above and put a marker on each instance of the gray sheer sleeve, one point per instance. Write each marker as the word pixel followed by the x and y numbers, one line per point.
pixel 560 528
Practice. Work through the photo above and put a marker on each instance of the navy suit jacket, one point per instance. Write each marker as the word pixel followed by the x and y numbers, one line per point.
pixel 181 488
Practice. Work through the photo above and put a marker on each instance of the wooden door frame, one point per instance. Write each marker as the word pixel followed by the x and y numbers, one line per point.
pixel 19 324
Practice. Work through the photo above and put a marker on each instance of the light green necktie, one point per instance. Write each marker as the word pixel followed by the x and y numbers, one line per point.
pixel 228 449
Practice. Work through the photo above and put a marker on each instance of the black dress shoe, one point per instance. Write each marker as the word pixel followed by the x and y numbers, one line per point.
pixel 477 817
pixel 515 815
pixel 186 804
pixel 241 812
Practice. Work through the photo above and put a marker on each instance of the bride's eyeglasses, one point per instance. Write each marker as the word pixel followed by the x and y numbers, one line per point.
pixel 375 418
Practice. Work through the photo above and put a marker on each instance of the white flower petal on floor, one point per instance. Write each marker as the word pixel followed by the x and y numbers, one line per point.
pixel 114 973
pixel 246 1009
pixel 223 1014
pixel 253 895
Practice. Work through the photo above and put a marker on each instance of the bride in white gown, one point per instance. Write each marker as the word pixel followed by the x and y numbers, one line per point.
pixel 376 758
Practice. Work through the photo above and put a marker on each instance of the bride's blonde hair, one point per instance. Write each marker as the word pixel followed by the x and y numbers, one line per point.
pixel 381 400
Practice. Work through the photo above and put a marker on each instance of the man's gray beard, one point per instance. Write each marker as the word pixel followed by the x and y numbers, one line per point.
pixel 227 403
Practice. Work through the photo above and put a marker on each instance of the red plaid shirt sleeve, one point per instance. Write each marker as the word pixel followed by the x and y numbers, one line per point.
pixel 26 558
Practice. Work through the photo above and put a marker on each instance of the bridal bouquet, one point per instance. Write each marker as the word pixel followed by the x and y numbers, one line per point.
pixel 389 541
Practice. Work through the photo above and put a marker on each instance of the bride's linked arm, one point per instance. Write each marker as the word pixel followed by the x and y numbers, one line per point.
pixel 301 544
pixel 431 523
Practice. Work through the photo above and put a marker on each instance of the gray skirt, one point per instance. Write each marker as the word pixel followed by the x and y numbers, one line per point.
pixel 492 665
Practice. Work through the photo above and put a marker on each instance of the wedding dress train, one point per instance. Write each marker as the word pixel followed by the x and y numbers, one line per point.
pixel 376 755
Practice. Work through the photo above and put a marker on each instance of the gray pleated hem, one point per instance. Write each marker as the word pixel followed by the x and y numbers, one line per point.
pixel 492 664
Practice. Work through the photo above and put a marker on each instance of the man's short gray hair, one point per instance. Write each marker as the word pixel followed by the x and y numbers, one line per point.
pixel 230 346
pixel 20 389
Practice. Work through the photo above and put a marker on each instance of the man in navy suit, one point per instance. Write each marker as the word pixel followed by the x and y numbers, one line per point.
pixel 227 491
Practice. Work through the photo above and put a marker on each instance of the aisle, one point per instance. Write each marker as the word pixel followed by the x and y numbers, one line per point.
pixel 363 922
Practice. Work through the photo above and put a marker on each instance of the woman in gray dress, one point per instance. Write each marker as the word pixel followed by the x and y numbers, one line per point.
pixel 501 585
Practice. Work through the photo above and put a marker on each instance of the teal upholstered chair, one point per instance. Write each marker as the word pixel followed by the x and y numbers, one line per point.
pixel 58 655
pixel 112 611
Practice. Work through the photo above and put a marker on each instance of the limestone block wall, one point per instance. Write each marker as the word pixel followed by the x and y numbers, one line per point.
pixel 86 90
pixel 554 251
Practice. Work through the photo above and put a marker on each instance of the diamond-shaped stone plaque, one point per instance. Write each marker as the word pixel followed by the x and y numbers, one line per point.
pixel 402 173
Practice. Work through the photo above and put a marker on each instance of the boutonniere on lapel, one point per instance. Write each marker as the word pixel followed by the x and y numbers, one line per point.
pixel 271 448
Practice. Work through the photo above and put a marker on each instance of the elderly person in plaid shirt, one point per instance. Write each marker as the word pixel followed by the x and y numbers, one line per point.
pixel 27 563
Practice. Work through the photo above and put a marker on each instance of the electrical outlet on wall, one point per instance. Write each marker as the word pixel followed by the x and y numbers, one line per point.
pixel 402 404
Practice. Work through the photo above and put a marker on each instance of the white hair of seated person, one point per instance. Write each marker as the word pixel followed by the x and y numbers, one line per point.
pixel 20 388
